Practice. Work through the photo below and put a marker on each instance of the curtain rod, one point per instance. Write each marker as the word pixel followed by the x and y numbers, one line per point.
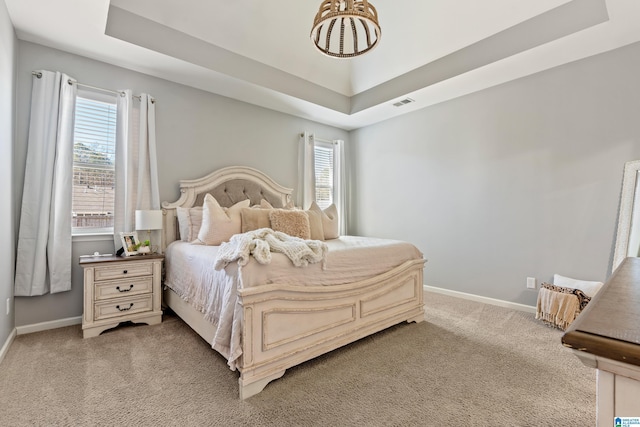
pixel 326 141
pixel 115 92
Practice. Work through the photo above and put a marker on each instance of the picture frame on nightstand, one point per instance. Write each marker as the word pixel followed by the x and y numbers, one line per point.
pixel 130 242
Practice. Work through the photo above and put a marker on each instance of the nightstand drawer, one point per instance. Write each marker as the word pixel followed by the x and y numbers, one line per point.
pixel 123 288
pixel 123 270
pixel 122 307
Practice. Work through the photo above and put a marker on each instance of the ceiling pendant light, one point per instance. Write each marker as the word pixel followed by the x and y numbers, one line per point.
pixel 345 28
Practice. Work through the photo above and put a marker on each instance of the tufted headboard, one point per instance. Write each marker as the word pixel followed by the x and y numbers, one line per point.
pixel 229 186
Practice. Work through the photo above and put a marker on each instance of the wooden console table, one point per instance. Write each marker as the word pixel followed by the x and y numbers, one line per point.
pixel 606 336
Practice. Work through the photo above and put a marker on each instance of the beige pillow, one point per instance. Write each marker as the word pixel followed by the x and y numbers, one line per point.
pixel 291 222
pixel 315 225
pixel 189 222
pixel 330 224
pixel 219 224
pixel 264 204
pixel 253 219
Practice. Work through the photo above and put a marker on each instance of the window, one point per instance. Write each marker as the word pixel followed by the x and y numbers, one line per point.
pixel 323 157
pixel 94 163
pixel 322 174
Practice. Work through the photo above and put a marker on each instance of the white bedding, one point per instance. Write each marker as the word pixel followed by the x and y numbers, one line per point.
pixel 191 274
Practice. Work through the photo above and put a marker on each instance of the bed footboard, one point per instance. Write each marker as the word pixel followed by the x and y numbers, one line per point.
pixel 287 325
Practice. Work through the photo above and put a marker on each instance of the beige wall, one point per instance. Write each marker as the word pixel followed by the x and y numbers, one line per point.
pixel 518 180
pixel 8 44
pixel 197 132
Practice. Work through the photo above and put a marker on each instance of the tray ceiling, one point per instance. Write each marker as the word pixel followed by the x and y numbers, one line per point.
pixel 259 52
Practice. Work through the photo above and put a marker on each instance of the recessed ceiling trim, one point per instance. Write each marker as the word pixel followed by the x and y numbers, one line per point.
pixel 78 28
pixel 562 21
pixel 133 28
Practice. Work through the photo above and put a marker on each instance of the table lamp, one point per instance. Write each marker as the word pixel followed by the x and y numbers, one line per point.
pixel 149 220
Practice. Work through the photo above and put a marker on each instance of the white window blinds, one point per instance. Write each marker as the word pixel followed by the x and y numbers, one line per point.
pixel 324 164
pixel 94 164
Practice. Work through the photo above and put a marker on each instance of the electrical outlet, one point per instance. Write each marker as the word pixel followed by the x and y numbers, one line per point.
pixel 8 306
pixel 531 282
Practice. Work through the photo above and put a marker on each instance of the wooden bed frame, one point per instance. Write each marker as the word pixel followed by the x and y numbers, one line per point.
pixel 286 325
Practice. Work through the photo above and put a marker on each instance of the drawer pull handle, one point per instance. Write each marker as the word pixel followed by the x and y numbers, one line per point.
pixel 126 308
pixel 124 290
pixel 124 272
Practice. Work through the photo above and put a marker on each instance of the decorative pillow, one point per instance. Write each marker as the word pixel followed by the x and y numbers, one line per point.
pixel 253 219
pixel 264 204
pixel 189 222
pixel 589 288
pixel 315 225
pixel 291 222
pixel 330 224
pixel 219 224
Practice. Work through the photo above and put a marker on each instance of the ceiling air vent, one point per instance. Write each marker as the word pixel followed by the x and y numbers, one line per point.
pixel 403 102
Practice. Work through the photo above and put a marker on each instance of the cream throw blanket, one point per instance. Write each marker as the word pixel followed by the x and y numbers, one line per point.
pixel 260 243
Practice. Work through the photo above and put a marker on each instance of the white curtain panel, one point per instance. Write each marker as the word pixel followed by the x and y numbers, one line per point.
pixel 43 259
pixel 339 185
pixel 136 162
pixel 306 170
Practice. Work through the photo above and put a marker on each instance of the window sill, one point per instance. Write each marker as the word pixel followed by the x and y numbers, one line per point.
pixel 91 237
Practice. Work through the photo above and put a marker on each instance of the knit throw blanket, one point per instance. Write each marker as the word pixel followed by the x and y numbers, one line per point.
pixel 260 243
pixel 559 306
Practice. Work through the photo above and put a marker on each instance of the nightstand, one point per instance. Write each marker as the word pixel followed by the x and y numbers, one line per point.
pixel 121 289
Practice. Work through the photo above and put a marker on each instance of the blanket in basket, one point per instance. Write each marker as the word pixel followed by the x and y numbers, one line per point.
pixel 559 306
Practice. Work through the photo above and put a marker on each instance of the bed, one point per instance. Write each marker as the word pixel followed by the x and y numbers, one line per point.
pixel 283 318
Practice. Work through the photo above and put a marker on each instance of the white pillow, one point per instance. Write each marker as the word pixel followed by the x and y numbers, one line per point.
pixel 589 288
pixel 315 225
pixel 330 224
pixel 189 221
pixel 219 224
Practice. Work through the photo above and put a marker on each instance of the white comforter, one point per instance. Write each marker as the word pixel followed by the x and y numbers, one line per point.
pixel 191 274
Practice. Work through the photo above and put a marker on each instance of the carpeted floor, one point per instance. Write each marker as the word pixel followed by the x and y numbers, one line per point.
pixel 469 364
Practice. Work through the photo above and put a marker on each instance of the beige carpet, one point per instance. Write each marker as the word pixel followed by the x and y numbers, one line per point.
pixel 469 364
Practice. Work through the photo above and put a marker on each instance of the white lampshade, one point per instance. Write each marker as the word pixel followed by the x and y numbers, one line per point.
pixel 149 220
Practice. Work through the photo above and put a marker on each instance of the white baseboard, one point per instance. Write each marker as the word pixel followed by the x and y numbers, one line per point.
pixel 45 326
pixel 7 344
pixel 486 300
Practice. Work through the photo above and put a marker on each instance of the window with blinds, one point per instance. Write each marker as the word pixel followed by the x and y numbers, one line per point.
pixel 94 163
pixel 323 156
